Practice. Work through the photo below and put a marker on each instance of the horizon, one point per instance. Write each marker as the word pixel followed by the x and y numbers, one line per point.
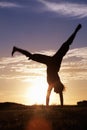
pixel 16 103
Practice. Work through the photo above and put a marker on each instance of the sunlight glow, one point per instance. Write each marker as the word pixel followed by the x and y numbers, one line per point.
pixel 37 92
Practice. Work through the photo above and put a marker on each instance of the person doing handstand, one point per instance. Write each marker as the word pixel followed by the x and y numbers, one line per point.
pixel 53 64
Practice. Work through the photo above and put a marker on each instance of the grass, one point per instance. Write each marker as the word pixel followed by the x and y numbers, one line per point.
pixel 43 118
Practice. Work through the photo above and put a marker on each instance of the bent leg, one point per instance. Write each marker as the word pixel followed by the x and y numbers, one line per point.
pixel 24 52
pixel 48 95
pixel 36 57
pixel 41 58
pixel 61 98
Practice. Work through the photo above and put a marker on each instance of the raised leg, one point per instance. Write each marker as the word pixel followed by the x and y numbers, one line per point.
pixel 71 38
pixel 48 95
pixel 64 48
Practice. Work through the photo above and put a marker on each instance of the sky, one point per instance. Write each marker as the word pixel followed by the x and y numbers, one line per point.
pixel 42 26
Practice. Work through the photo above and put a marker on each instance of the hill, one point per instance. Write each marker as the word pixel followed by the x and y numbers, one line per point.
pixel 11 105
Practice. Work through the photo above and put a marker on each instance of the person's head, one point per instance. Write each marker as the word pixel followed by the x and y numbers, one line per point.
pixel 59 87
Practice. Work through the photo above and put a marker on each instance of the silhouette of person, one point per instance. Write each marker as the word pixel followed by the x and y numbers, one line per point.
pixel 53 64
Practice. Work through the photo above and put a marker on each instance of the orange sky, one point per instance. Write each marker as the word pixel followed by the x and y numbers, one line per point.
pixel 24 81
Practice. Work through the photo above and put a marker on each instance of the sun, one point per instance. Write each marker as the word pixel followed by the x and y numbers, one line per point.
pixel 37 92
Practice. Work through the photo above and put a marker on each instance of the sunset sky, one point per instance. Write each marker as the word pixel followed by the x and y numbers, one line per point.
pixel 42 26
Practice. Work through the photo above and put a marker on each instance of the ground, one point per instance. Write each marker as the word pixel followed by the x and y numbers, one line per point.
pixel 18 117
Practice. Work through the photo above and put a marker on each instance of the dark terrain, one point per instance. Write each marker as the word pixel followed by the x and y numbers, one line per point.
pixel 19 117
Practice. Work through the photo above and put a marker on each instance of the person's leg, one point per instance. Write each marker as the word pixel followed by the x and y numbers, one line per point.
pixel 61 98
pixel 41 58
pixel 24 52
pixel 71 38
pixel 48 95
pixel 57 57
pixel 64 48
pixel 36 57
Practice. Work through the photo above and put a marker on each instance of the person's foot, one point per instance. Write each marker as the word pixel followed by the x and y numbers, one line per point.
pixel 78 27
pixel 13 51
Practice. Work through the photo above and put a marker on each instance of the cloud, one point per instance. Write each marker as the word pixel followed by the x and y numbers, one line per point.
pixel 73 67
pixel 20 68
pixel 65 8
pixel 9 5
